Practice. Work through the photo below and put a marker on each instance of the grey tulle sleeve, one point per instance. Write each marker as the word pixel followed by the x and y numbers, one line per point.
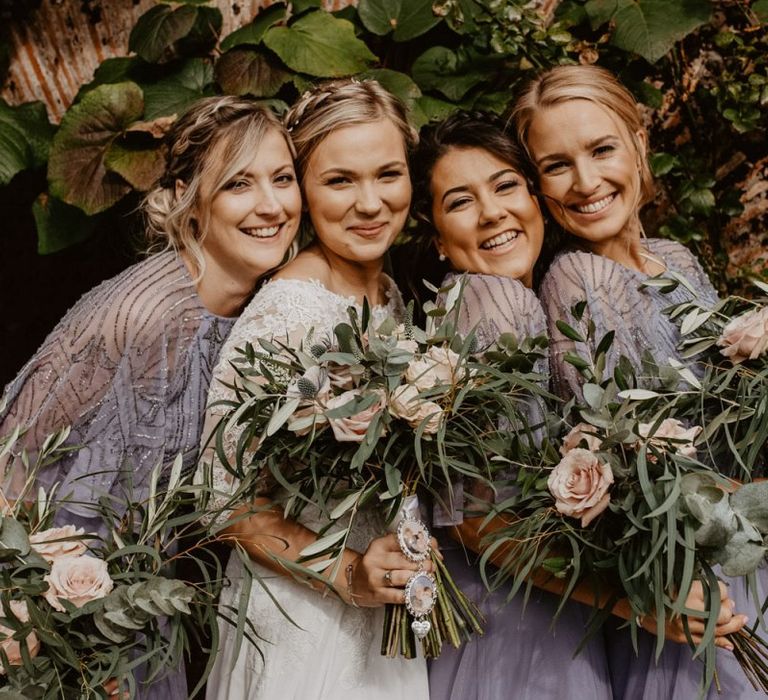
pixel 128 369
pixel 616 300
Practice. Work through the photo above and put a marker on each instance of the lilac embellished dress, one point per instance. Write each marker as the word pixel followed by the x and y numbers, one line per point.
pixel 522 655
pixel 128 369
pixel 615 301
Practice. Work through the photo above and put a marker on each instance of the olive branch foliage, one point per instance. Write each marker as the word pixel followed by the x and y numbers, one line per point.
pixel 150 617
pixel 671 518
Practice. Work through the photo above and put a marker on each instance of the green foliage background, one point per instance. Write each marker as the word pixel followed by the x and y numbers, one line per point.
pixel 699 67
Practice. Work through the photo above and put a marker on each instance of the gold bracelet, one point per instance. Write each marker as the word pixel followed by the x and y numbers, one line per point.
pixel 350 594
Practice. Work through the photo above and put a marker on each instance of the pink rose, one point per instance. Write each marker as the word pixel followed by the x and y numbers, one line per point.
pixel 746 336
pixel 78 580
pixel 406 404
pixel 438 365
pixel 580 485
pixel 12 647
pixel 46 545
pixel 671 429
pixel 580 432
pixel 353 428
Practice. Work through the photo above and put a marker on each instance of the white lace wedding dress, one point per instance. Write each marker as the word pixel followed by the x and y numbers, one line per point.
pixel 332 652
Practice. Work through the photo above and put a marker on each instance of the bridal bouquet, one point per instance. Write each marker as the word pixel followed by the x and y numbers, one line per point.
pixel 729 343
pixel 370 419
pixel 622 499
pixel 76 609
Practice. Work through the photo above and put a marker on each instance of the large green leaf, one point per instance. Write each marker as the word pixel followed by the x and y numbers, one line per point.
pixel 440 69
pixel 175 92
pixel 140 162
pixel 320 45
pixel 651 27
pixel 25 138
pixel 249 72
pixel 600 11
pixel 760 8
pixel 158 29
pixel 406 18
pixel 253 33
pixel 399 84
pixel 76 170
pixel 60 225
pixel 204 34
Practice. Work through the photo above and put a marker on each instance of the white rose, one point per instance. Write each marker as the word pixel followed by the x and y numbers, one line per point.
pixel 438 365
pixel 406 404
pixel 12 647
pixel 78 580
pixel 45 544
pixel 580 432
pixel 671 429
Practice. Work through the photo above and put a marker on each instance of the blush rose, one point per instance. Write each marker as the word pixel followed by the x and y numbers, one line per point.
pixel 746 336
pixel 353 428
pixel 78 580
pixel 45 544
pixel 580 485
pixel 12 647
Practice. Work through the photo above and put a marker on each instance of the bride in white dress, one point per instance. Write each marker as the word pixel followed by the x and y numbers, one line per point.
pixel 352 141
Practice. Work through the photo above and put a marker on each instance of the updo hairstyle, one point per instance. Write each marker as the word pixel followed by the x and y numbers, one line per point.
pixel 214 140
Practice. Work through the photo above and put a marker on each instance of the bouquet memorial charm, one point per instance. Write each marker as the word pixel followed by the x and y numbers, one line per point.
pixel 421 588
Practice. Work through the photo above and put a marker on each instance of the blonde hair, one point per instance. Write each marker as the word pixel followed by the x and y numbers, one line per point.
pixel 594 84
pixel 339 103
pixel 212 142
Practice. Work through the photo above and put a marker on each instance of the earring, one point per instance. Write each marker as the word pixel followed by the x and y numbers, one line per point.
pixel 441 257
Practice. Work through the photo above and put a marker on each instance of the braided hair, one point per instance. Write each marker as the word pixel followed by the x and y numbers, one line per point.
pixel 337 104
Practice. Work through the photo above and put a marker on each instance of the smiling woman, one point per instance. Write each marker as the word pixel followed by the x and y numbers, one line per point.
pixel 352 142
pixel 586 142
pixel 128 367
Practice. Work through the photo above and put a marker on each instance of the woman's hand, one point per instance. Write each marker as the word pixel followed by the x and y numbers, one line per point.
pixel 379 576
pixel 112 689
pixel 727 621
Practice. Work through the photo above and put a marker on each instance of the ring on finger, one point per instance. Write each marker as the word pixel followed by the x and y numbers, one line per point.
pixel 388 578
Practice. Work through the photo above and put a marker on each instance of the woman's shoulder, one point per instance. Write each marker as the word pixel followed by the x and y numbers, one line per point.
pixel 578 268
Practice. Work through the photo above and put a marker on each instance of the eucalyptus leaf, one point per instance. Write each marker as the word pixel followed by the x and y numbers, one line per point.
pixel 751 501
pixel 323 544
pixel 740 556
pixel 320 45
pixel 13 535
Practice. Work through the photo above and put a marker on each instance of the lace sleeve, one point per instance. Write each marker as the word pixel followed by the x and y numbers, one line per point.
pixel 285 310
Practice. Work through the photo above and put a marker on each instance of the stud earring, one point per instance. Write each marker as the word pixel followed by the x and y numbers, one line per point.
pixel 441 257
